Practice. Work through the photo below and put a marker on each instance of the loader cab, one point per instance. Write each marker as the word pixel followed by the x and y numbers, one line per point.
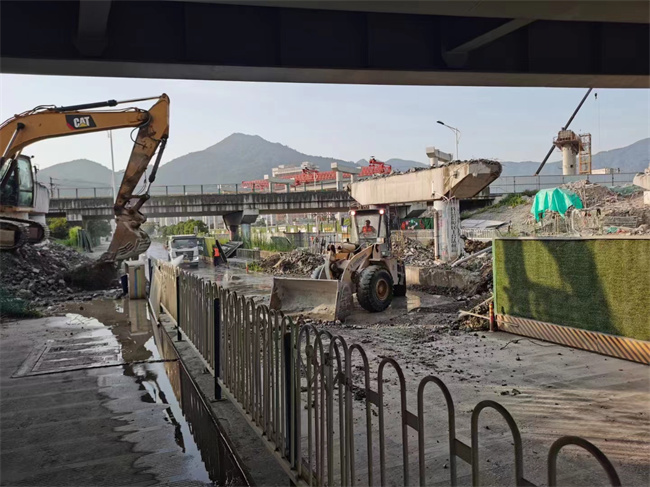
pixel 369 227
pixel 17 183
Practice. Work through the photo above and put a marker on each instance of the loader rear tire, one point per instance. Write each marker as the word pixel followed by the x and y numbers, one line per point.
pixel 375 289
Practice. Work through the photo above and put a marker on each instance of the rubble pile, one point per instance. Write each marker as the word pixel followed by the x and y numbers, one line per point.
pixel 592 194
pixel 472 246
pixel 412 252
pixel 481 267
pixel 41 273
pixel 469 322
pixel 296 262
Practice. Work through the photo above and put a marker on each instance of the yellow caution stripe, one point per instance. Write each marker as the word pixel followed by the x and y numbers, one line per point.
pixel 593 341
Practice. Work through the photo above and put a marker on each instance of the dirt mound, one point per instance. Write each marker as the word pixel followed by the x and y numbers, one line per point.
pixel 296 262
pixel 41 273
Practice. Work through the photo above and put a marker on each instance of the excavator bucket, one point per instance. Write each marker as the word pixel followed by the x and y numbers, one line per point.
pixel 129 241
pixel 324 299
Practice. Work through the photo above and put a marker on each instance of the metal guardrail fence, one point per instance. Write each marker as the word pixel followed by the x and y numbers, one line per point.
pixel 297 386
pixel 503 185
pixel 519 184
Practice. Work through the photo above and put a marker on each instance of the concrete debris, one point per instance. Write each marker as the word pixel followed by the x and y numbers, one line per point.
pixel 296 262
pixel 469 322
pixel 452 163
pixel 592 194
pixel 619 210
pixel 472 246
pixel 38 273
pixel 412 252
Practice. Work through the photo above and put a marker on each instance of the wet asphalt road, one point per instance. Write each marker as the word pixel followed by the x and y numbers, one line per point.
pixel 88 401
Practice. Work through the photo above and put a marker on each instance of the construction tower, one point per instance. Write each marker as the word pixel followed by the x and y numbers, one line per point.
pixel 584 156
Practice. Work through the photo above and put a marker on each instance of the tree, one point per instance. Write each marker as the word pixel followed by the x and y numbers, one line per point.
pixel 185 228
pixel 97 229
pixel 58 227
pixel 149 227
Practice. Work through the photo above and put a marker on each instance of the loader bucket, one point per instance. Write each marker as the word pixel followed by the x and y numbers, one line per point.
pixel 316 298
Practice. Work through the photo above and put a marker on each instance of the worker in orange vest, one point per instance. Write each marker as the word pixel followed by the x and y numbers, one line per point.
pixel 217 256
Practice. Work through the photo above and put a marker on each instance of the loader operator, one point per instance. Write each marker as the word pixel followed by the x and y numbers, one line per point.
pixel 368 229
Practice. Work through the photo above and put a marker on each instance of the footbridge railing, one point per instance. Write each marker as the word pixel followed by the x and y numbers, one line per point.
pixel 332 416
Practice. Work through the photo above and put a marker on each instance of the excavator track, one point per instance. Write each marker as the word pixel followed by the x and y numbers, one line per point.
pixel 16 232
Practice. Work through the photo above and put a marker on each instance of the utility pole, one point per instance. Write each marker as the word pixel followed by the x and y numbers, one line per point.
pixel 456 134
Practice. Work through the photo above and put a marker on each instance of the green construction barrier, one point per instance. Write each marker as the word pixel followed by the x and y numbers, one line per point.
pixel 599 284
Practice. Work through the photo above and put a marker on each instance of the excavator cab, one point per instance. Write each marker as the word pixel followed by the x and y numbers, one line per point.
pixel 17 184
pixel 16 202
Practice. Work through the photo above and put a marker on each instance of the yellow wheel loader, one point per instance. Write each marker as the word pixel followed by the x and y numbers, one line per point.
pixel 363 265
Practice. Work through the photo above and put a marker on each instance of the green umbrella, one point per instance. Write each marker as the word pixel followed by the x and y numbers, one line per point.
pixel 554 199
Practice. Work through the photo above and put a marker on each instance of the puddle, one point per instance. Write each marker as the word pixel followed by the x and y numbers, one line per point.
pixel 120 329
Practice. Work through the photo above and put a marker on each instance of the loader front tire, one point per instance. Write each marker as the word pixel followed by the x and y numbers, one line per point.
pixel 375 289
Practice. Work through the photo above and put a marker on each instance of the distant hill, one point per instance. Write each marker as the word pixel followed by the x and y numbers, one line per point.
pixel 241 157
pixel 631 159
pixel 80 173
pixel 236 158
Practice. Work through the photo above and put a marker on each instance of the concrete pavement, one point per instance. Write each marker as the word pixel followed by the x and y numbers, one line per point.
pixel 102 412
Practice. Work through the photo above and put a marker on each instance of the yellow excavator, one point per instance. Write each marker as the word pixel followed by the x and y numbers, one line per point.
pixel 17 186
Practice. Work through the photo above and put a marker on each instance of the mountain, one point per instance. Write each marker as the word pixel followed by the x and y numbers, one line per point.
pixel 80 173
pixel 236 158
pixel 630 159
pixel 241 157
pixel 404 164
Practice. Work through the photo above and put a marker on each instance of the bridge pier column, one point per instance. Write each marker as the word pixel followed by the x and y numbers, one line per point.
pixel 241 219
pixel 449 245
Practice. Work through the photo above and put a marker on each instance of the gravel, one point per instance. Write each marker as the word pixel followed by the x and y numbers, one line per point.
pixel 37 273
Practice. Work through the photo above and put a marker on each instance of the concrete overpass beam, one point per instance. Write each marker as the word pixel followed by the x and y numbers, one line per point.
pixel 91 34
pixel 241 219
pixel 457 57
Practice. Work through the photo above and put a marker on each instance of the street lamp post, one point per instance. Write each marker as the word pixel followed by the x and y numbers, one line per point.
pixel 110 137
pixel 456 134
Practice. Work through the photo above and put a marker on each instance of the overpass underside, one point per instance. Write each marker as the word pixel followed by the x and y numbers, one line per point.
pixel 524 43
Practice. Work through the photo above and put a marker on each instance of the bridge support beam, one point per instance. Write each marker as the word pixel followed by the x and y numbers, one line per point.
pixel 241 219
pixel 341 168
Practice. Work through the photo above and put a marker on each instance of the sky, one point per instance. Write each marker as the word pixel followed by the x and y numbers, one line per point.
pixel 349 122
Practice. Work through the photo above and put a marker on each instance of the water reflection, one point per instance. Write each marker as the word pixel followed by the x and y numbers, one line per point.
pixel 126 325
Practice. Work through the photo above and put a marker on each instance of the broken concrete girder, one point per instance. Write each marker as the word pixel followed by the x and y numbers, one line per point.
pixel 458 179
pixel 643 180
